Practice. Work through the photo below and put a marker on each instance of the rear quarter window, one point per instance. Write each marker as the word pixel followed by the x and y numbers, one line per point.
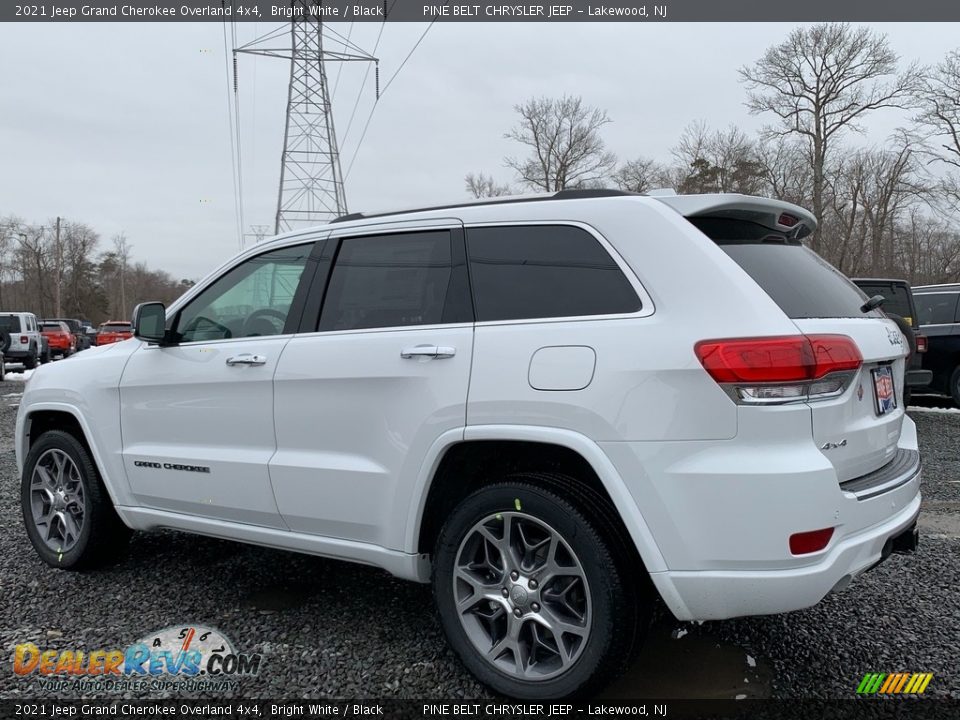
pixel 544 271
pixel 801 282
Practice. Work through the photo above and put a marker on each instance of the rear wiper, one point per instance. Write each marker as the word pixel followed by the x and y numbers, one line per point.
pixel 873 303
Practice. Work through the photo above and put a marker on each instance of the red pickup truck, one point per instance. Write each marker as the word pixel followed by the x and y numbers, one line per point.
pixel 114 331
pixel 59 338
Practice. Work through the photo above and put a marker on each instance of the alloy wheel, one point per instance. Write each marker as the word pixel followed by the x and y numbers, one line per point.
pixel 522 596
pixel 57 500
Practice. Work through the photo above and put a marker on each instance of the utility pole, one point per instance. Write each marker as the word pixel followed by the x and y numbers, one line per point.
pixel 311 183
pixel 58 254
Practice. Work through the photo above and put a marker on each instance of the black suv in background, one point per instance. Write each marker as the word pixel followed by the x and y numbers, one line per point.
pixel 899 303
pixel 938 309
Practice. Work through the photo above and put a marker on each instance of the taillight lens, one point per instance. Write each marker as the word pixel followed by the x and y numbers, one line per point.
pixel 921 343
pixel 24 339
pixel 810 542
pixel 792 368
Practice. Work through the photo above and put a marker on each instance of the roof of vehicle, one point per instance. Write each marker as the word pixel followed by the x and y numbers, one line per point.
pixel 115 322
pixel 948 287
pixel 765 211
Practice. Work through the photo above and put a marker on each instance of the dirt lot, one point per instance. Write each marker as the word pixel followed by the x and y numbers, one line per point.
pixel 333 629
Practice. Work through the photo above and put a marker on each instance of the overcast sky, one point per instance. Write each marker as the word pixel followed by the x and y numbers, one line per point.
pixel 125 126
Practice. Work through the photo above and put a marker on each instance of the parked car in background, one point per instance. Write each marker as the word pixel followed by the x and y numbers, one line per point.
pixel 21 341
pixel 82 340
pixel 938 308
pixel 899 304
pixel 62 342
pixel 486 397
pixel 114 331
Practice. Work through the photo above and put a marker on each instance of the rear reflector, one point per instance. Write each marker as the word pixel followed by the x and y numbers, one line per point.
pixel 810 542
pixel 921 343
pixel 788 359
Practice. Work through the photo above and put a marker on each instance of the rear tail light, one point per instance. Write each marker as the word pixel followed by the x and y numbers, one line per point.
pixel 24 339
pixel 810 542
pixel 921 343
pixel 774 370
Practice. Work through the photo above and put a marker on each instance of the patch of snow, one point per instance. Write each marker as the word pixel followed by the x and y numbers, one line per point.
pixel 914 408
pixel 24 376
pixel 679 633
pixel 740 697
pixel 750 661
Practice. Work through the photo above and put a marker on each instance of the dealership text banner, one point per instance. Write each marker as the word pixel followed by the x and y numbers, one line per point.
pixel 410 11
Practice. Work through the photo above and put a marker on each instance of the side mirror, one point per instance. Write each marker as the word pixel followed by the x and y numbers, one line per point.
pixel 150 322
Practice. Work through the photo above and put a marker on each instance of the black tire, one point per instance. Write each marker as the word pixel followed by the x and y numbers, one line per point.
pixel 955 386
pixel 907 397
pixel 103 537
pixel 3 368
pixel 613 586
pixel 30 362
pixel 4 342
pixel 45 358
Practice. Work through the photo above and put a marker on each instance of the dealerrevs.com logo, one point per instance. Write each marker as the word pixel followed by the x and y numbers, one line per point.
pixel 192 658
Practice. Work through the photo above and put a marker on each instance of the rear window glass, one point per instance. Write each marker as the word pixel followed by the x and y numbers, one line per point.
pixel 802 283
pixel 10 324
pixel 116 327
pixel 897 299
pixel 51 326
pixel 937 308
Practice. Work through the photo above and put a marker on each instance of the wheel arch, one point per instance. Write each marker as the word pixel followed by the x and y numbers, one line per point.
pixel 460 464
pixel 60 416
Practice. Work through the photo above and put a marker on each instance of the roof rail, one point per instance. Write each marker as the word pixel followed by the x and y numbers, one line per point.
pixel 576 194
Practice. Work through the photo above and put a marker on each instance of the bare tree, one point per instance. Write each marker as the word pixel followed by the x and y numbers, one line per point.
pixel 566 150
pixel 716 161
pixel 480 185
pixel 939 120
pixel 821 81
pixel 640 175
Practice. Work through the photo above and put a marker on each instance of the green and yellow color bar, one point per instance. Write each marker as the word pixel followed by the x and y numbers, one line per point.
pixel 894 683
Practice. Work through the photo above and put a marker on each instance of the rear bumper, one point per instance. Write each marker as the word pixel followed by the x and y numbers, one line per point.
pixel 918 378
pixel 721 514
pixel 717 595
pixel 17 354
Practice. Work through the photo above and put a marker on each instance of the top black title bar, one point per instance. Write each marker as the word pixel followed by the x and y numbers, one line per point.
pixel 418 11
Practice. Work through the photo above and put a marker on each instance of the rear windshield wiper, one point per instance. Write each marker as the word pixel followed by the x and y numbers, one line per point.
pixel 873 303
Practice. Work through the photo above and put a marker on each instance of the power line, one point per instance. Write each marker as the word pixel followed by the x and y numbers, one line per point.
pixel 233 152
pixel 366 125
pixel 236 106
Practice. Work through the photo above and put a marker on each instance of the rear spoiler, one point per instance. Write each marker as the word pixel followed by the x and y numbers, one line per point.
pixel 779 216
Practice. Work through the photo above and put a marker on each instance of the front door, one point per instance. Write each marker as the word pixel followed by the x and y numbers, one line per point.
pixel 363 394
pixel 197 417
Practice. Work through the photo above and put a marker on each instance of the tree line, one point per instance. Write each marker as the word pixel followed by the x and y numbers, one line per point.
pixel 889 210
pixel 60 269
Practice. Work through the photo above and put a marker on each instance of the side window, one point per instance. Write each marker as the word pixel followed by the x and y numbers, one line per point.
pixel 936 308
pixel 395 281
pixel 252 299
pixel 544 271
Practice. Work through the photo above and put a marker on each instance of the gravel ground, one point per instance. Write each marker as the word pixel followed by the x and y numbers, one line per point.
pixel 334 629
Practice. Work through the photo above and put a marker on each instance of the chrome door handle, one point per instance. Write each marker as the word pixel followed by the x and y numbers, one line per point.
pixel 246 359
pixel 428 351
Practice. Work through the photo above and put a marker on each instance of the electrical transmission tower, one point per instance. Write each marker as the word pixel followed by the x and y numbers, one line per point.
pixel 311 183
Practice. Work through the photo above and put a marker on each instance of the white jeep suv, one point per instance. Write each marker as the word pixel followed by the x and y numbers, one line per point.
pixel 20 339
pixel 554 408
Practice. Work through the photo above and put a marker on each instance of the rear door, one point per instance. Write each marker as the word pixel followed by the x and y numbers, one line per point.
pixel 363 392
pixel 859 429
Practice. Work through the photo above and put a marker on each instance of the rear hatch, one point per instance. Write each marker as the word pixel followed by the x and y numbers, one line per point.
pixel 858 429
